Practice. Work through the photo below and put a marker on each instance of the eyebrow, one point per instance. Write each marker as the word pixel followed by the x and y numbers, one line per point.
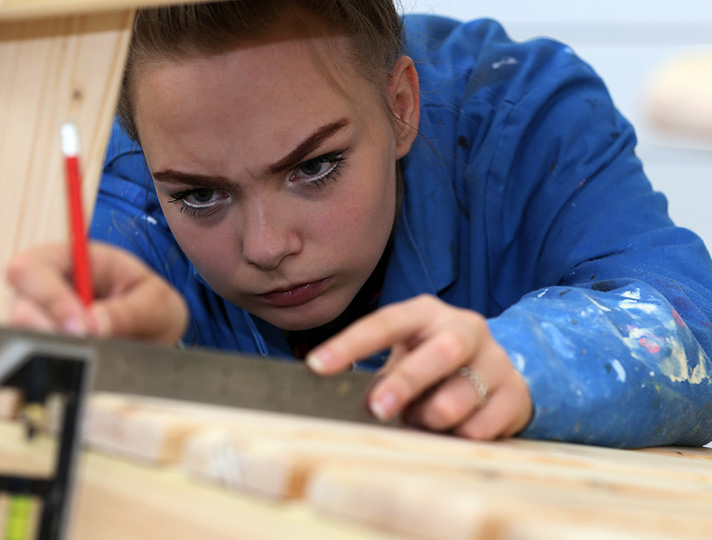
pixel 296 156
pixel 307 146
pixel 178 177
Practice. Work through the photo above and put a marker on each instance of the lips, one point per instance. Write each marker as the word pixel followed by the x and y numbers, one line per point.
pixel 296 296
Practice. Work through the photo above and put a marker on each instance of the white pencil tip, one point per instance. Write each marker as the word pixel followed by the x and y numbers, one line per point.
pixel 70 140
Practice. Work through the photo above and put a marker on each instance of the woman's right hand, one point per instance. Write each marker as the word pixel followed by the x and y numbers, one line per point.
pixel 130 299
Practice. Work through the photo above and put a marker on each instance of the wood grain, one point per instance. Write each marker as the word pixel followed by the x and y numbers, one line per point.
pixel 361 494
pixel 678 96
pixel 25 9
pixel 10 403
pixel 418 484
pixel 54 69
pixel 116 500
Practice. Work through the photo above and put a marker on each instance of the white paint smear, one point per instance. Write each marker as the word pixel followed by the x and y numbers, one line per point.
pixel 619 369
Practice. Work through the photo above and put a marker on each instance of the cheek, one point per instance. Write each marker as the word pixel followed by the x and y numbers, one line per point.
pixel 206 247
pixel 361 224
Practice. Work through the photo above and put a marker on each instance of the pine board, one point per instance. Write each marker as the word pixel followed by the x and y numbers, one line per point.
pixel 54 69
pixel 118 499
pixel 679 95
pixel 25 9
pixel 417 484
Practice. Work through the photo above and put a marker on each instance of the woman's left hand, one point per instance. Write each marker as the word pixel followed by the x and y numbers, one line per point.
pixel 445 371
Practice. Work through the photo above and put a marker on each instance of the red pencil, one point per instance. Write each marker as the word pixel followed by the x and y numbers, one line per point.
pixel 78 238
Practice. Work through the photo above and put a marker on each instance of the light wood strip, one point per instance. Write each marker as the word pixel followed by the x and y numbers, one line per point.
pixel 25 9
pixel 55 69
pixel 281 466
pixel 283 456
pixel 116 500
pixel 678 95
pixel 381 496
pixel 259 423
pixel 10 403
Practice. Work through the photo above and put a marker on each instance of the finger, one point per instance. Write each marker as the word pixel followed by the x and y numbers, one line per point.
pixel 460 395
pixel 506 413
pixel 402 322
pixel 397 353
pixel 41 277
pixel 133 301
pixel 457 397
pixel 427 365
pixel 447 406
pixel 114 271
pixel 26 314
pixel 150 310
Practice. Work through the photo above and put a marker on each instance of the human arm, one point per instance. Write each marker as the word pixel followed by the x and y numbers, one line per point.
pixel 582 261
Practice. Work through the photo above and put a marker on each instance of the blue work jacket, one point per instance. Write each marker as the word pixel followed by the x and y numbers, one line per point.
pixel 524 201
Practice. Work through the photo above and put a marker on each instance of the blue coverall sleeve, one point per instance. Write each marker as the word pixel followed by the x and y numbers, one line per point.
pixel 615 339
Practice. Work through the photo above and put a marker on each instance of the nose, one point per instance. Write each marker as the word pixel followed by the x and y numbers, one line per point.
pixel 268 236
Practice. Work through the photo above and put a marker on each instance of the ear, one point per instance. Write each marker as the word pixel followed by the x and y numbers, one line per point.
pixel 404 100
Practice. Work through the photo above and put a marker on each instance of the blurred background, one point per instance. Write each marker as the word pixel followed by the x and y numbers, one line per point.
pixel 634 45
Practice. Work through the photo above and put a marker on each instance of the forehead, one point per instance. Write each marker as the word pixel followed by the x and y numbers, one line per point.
pixel 275 83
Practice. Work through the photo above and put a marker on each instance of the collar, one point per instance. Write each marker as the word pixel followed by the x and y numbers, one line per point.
pixel 424 258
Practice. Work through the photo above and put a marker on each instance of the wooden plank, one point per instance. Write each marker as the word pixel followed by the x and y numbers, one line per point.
pixel 243 426
pixel 703 454
pixel 54 70
pixel 559 532
pixel 117 426
pixel 386 497
pixel 526 482
pixel 678 95
pixel 270 463
pixel 25 9
pixel 117 500
pixel 10 402
pixel 404 503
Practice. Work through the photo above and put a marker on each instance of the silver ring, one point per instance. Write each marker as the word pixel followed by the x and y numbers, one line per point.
pixel 480 385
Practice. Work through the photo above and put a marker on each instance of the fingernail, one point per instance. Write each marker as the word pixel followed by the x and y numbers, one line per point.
pixel 385 407
pixel 316 362
pixel 102 324
pixel 75 326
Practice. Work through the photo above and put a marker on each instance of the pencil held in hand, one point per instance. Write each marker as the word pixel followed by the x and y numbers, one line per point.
pixel 77 231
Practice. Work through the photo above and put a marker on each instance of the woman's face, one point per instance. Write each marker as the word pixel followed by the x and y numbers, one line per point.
pixel 280 188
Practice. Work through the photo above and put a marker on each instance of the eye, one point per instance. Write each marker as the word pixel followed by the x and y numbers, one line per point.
pixel 314 167
pixel 318 169
pixel 199 200
pixel 200 196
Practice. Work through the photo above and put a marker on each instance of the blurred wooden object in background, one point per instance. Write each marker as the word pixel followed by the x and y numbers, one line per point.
pixel 679 95
pixel 60 60
pixel 54 69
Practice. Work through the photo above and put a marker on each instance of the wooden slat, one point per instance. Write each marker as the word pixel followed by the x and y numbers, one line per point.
pixel 116 500
pixel 10 403
pixel 419 484
pixel 53 70
pixel 489 508
pixel 292 460
pixel 25 9
pixel 242 425
pixel 679 95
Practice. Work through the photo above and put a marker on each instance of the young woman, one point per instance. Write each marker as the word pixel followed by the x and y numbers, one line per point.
pixel 468 210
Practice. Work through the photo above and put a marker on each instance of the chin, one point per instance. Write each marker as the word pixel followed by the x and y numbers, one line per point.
pixel 300 318
pixel 294 324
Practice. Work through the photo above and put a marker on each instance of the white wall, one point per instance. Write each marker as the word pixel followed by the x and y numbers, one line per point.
pixel 625 41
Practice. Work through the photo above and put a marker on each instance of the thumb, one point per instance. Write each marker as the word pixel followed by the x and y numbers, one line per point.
pixel 151 310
